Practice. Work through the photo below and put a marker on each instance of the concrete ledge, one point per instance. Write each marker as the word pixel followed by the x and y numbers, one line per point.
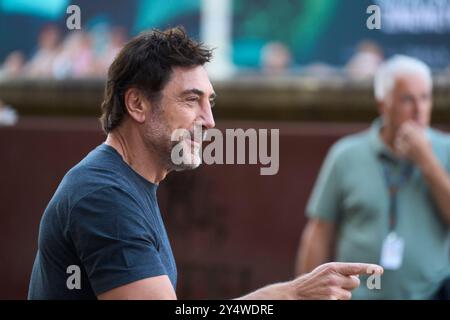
pixel 248 98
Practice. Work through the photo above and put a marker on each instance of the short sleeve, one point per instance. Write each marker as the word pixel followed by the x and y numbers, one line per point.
pixel 447 149
pixel 114 241
pixel 324 201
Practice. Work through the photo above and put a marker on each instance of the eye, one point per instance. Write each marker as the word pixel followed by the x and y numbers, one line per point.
pixel 212 103
pixel 407 99
pixel 193 98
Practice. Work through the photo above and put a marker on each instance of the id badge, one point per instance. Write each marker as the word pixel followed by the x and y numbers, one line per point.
pixel 392 252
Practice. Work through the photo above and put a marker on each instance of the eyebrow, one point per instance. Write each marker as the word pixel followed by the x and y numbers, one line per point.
pixel 198 92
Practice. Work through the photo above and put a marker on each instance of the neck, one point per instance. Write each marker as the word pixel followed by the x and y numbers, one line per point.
pixel 136 153
pixel 388 136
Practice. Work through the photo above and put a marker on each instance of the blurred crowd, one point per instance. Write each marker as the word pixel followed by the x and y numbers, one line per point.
pixel 276 59
pixel 88 54
pixel 79 54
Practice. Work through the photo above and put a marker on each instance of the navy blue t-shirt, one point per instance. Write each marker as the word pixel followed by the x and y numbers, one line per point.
pixel 104 221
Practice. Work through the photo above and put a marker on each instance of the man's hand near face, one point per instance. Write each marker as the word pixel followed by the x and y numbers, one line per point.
pixel 411 143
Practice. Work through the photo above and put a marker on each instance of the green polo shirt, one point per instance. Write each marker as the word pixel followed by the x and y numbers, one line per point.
pixel 351 191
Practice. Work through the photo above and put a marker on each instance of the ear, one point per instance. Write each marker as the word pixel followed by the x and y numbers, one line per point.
pixel 136 104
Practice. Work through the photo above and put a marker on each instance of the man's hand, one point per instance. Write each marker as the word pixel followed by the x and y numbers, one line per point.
pixel 332 281
pixel 412 143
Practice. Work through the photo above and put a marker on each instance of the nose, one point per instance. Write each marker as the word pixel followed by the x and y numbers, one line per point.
pixel 207 117
pixel 416 109
pixel 421 109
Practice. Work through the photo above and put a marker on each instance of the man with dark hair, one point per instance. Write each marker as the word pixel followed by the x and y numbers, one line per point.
pixel 104 222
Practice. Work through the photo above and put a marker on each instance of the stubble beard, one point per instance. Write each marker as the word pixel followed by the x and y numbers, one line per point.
pixel 157 138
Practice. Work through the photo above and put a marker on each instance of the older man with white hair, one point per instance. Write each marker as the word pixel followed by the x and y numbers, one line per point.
pixel 383 195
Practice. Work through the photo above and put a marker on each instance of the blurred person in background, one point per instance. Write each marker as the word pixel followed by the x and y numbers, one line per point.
pixel 104 217
pixel 276 59
pixel 81 55
pixel 84 64
pixel 13 66
pixel 66 57
pixel 365 62
pixel 383 195
pixel 41 64
pixel 116 40
pixel 8 115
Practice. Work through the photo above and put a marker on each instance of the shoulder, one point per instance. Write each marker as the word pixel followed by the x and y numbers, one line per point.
pixel 349 146
pixel 99 176
pixel 109 210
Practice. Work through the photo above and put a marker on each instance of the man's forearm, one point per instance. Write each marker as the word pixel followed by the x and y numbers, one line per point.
pixel 315 246
pixel 311 256
pixel 277 291
pixel 333 280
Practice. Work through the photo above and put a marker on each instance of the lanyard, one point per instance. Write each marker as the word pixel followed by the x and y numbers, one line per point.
pixel 393 186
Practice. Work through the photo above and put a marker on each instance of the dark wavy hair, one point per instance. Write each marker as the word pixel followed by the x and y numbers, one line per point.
pixel 146 63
